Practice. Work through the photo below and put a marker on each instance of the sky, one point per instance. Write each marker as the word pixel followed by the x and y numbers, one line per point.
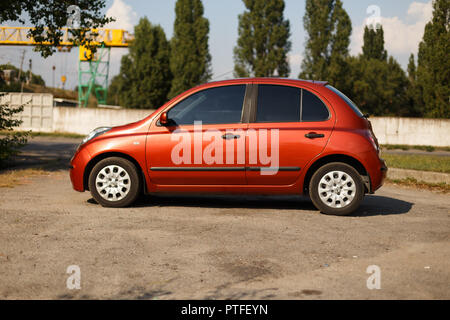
pixel 403 23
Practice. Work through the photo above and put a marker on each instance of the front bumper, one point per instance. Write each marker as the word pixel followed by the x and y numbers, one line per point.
pixel 77 167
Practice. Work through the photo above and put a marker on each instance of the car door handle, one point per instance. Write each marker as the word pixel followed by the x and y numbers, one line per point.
pixel 230 136
pixel 313 135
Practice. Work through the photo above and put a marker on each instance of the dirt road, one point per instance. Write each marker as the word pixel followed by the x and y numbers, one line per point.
pixel 219 247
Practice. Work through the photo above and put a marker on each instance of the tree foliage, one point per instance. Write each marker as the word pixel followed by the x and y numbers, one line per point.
pixel 190 60
pixel 373 47
pixel 263 43
pixel 48 17
pixel 433 70
pixel 328 28
pixel 145 78
pixel 378 87
pixel 10 141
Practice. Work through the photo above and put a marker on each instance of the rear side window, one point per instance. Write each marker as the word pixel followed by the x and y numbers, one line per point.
pixel 278 104
pixel 349 102
pixel 313 109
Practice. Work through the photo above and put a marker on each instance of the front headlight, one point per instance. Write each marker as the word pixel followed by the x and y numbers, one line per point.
pixel 97 132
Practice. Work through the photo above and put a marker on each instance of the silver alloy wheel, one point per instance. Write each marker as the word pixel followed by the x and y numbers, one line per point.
pixel 113 183
pixel 337 189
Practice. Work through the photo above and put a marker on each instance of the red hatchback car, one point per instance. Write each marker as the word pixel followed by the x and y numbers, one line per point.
pixel 244 136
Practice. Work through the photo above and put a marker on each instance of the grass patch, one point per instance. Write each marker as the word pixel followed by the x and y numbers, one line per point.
pixel 406 147
pixel 52 134
pixel 418 162
pixel 411 182
pixel 12 178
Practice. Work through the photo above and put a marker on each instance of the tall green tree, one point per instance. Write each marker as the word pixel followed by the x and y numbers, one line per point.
pixel 190 60
pixel 376 82
pixel 329 29
pixel 145 78
pixel 415 101
pixel 373 47
pixel 263 43
pixel 433 70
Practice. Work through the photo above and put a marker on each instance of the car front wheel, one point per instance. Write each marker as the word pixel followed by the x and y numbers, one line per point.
pixel 336 189
pixel 114 182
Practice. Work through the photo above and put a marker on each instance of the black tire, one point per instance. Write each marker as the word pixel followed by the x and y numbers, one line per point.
pixel 131 190
pixel 354 190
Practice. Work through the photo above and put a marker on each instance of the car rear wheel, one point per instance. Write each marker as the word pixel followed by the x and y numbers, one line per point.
pixel 336 189
pixel 114 182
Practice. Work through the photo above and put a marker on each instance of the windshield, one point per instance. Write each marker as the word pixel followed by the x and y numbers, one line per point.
pixel 350 103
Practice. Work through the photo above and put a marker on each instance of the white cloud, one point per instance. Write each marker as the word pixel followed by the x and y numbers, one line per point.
pixel 295 59
pixel 125 17
pixel 401 38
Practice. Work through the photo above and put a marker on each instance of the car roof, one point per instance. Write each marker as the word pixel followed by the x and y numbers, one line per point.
pixel 274 80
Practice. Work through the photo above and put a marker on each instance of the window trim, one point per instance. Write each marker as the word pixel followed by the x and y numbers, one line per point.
pixel 255 104
pixel 245 104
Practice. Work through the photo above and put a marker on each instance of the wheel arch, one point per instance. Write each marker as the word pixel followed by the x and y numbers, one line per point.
pixel 91 164
pixel 338 158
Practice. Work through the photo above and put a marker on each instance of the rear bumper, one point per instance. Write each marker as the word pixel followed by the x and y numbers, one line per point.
pixel 382 175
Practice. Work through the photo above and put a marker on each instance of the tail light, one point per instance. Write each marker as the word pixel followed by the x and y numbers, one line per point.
pixel 373 138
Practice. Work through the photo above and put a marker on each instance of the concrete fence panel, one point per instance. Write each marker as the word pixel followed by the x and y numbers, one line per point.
pixel 412 131
pixel 37 112
pixel 84 120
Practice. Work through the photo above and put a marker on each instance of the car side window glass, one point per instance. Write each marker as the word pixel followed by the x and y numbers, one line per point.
pixel 278 104
pixel 313 109
pixel 221 105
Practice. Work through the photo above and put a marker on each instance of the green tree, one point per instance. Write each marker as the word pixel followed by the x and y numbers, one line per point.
pixel 263 43
pixel 35 79
pixel 373 47
pixel 145 78
pixel 48 17
pixel 415 102
pixel 190 60
pixel 433 70
pixel 329 28
pixel 378 87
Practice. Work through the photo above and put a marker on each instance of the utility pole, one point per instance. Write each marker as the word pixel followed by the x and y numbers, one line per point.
pixel 30 76
pixel 21 66
pixel 53 77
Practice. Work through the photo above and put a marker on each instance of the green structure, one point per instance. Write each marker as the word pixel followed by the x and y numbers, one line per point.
pixel 93 76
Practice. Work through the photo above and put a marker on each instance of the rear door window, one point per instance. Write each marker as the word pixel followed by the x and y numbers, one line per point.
pixel 278 104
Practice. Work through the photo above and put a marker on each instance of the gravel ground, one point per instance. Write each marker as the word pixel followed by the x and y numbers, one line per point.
pixel 220 247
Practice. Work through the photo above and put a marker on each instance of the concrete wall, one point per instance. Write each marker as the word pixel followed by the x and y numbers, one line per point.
pixel 412 131
pixel 84 120
pixel 37 112
pixel 408 131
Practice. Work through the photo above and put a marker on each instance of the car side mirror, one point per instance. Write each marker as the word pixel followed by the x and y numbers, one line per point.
pixel 164 120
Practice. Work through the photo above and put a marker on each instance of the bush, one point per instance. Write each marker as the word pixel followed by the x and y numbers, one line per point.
pixel 10 141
